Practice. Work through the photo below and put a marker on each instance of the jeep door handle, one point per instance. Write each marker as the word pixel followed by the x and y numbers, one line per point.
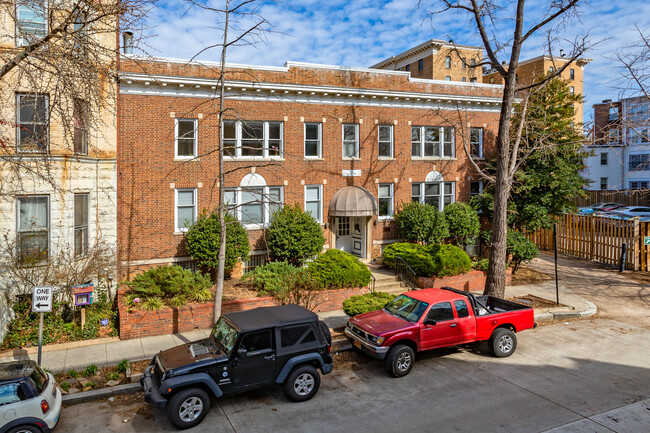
pixel 453 325
pixel 269 357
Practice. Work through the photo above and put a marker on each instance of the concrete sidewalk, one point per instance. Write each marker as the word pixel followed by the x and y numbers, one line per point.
pixel 574 306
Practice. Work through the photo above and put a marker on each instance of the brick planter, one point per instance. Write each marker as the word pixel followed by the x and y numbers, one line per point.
pixel 139 323
pixel 473 281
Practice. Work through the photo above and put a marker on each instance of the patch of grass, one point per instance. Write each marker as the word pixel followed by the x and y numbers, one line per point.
pixel 65 386
pixel 91 370
pixel 365 303
pixel 122 366
pixel 73 374
pixel 113 376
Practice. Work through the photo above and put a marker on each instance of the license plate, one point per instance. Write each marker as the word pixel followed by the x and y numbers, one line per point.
pixel 357 344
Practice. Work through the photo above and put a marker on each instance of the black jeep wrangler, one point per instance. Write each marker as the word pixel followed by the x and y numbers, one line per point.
pixel 248 349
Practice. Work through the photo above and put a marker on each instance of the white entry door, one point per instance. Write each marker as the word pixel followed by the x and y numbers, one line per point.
pixel 343 234
pixel 358 231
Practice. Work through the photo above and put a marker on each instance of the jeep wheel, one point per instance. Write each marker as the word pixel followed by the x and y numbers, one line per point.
pixel 188 407
pixel 399 361
pixel 302 384
pixel 503 343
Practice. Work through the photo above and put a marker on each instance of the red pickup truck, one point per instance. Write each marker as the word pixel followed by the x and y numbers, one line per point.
pixel 432 318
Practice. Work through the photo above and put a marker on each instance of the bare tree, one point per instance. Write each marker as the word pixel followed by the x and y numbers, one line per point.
pixel 488 18
pixel 635 65
pixel 63 56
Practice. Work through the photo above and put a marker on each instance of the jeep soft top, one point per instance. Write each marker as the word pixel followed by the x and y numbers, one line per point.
pixel 267 317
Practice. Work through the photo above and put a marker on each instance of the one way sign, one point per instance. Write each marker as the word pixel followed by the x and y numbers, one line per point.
pixel 42 299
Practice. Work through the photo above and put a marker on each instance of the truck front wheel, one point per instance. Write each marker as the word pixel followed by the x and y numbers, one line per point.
pixel 399 361
pixel 503 343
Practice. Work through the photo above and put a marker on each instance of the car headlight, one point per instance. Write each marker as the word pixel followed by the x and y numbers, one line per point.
pixel 376 340
pixel 349 325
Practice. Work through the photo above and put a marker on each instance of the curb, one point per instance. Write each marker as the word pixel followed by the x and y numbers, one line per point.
pixel 96 394
pixel 562 315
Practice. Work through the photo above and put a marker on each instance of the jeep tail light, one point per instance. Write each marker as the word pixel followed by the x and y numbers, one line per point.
pixel 329 347
pixel 45 406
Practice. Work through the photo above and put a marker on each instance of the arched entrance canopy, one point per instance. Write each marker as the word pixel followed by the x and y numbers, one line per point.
pixel 353 201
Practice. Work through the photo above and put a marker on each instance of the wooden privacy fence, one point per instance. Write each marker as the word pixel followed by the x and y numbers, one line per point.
pixel 599 239
pixel 628 197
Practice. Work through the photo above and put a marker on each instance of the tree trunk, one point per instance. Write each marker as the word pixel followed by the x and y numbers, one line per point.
pixel 221 259
pixel 495 282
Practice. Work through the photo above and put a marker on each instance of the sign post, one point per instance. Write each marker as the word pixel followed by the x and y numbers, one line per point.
pixel 41 303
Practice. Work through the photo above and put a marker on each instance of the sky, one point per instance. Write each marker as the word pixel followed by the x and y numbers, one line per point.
pixel 360 33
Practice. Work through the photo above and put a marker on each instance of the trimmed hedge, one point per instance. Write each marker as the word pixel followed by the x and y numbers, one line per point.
pixel 294 236
pixel 422 223
pixel 429 260
pixel 366 303
pixel 336 269
pixel 273 278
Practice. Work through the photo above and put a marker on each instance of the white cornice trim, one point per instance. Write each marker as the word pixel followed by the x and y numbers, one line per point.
pixel 128 78
pixel 433 46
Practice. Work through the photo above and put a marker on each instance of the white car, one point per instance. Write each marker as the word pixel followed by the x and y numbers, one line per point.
pixel 629 212
pixel 30 402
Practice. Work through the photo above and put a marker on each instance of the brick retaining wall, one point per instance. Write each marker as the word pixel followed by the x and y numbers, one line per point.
pixel 473 281
pixel 138 323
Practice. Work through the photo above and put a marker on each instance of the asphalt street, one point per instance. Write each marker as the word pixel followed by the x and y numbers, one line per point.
pixel 590 375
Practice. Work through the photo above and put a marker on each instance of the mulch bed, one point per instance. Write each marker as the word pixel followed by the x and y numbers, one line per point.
pixel 234 288
pixel 528 275
pixel 534 301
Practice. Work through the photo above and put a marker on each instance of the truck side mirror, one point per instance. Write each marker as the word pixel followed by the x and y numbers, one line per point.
pixel 428 321
pixel 241 352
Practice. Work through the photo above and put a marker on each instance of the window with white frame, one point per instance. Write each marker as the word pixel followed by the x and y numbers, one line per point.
pixel 81 208
pixel 254 206
pixel 420 64
pixel 639 162
pixel 572 74
pixel 448 62
pixel 639 135
pixel 386 201
pixel 475 189
pixel 432 141
pixel 31 23
pixel 614 136
pixel 476 142
pixel 350 140
pixel 185 209
pixel 32 123
pixel 639 184
pixel 603 183
pixel 246 139
pixel 572 90
pixel 385 139
pixel 313 140
pixel 314 201
pixel 33 224
pixel 447 77
pixel 436 194
pixel 604 158
pixel 186 138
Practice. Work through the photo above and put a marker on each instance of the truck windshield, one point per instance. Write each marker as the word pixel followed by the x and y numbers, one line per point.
pixel 406 308
pixel 225 333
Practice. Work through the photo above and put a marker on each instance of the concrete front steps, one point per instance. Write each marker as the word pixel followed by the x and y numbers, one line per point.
pixel 386 280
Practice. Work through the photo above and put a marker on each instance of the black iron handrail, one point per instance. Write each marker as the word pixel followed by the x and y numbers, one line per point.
pixel 405 272
pixel 373 280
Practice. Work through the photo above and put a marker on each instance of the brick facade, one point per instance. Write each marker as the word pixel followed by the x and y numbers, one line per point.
pixel 149 174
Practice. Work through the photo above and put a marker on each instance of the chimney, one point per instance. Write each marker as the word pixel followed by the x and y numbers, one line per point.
pixel 561 52
pixel 127 44
pixel 451 41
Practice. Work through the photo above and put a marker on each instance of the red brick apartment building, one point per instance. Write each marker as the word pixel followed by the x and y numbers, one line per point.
pixel 347 144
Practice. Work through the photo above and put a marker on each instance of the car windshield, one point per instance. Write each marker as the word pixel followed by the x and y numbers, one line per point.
pixel 225 333
pixel 406 308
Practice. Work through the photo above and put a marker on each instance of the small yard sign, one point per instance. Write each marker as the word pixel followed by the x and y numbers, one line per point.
pixel 646 240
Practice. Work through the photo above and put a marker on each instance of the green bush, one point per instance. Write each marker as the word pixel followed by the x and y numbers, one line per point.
pixel 429 260
pixel 64 386
pixel 337 269
pixel 421 223
pixel 463 222
pixel 274 277
pixel 168 286
pixel 204 237
pixel 450 260
pixel 365 303
pixel 73 374
pixel 23 329
pixel 294 236
pixel 481 265
pixel 518 246
pixel 113 376
pixel 521 248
